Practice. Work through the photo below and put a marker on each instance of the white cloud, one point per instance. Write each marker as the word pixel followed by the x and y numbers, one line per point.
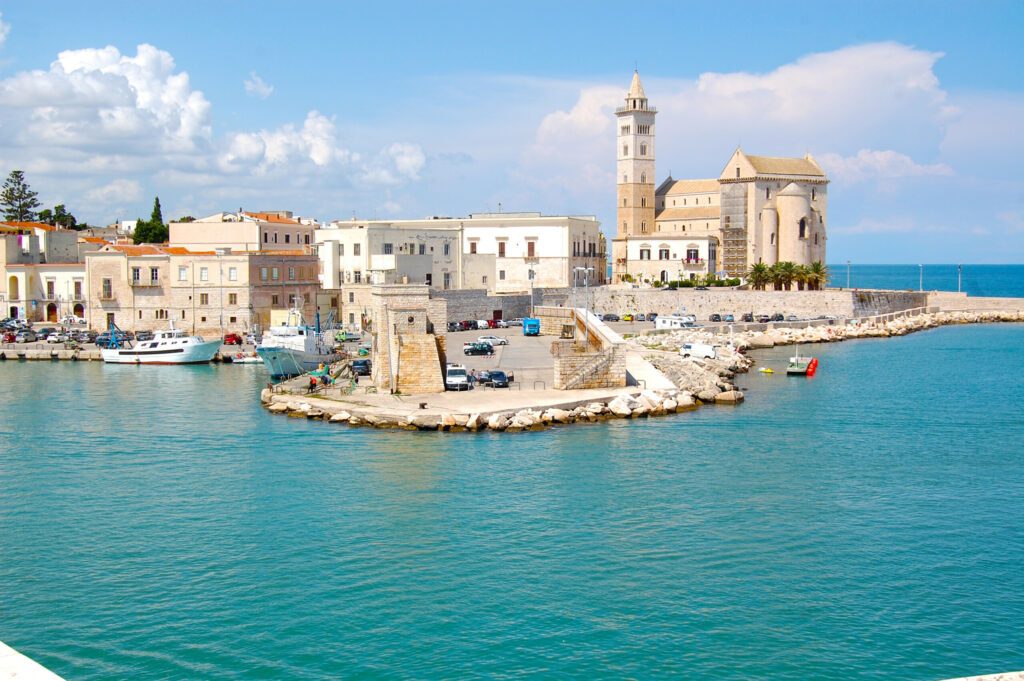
pixel 257 87
pixel 872 164
pixel 124 191
pixel 315 142
pixel 408 159
pixel 5 30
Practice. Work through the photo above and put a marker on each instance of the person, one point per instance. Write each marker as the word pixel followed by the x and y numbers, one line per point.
pixel 312 385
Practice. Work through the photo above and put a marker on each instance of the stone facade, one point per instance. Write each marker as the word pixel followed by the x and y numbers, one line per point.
pixel 407 354
pixel 594 358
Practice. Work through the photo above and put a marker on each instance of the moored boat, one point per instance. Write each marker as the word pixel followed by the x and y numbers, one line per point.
pixel 171 346
pixel 294 348
pixel 802 366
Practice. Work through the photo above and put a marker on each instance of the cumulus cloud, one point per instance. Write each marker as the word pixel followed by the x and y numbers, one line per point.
pixel 872 164
pixel 121 190
pixel 314 142
pixel 257 87
pixel 5 29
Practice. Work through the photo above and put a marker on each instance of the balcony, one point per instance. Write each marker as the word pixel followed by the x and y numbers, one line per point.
pixel 145 283
pixel 694 262
pixel 107 297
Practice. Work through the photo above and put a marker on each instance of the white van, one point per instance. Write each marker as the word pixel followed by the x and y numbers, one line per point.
pixel 456 378
pixel 702 350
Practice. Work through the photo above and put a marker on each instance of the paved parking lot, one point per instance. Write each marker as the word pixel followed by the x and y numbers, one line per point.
pixel 528 357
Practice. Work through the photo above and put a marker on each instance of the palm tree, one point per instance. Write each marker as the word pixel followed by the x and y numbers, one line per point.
pixel 784 273
pixel 801 275
pixel 818 272
pixel 758 275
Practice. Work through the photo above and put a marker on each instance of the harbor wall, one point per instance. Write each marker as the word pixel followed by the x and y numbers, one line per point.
pixel 477 304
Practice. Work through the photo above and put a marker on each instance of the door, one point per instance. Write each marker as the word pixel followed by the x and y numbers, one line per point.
pixel 51 312
pixel 110 319
pixel 496 314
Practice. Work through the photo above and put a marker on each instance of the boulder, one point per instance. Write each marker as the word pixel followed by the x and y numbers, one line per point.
pixel 669 404
pixel 315 413
pixel 447 420
pixel 761 341
pixel 708 393
pixel 371 419
pixel 729 397
pixel 265 395
pixel 473 422
pixel 497 422
pixel 355 421
pixel 559 415
pixel 341 416
pixel 423 421
pixel 461 420
pixel 621 406
pixel 278 408
pixel 596 408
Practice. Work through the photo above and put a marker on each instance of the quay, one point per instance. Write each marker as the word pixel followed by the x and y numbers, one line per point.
pixel 16 667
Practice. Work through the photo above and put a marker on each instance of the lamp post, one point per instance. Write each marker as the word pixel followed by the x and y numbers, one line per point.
pixel 530 274
pixel 847 274
pixel 959 276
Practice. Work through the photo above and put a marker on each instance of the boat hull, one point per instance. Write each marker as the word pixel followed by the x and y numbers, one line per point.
pixel 285 362
pixel 197 353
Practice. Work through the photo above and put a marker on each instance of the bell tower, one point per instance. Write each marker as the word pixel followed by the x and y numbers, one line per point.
pixel 634 173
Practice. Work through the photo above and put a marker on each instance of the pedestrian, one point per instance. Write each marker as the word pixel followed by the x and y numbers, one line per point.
pixel 312 385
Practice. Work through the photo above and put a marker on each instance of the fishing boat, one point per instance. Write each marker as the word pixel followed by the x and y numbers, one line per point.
pixel 241 358
pixel 294 348
pixel 802 366
pixel 171 346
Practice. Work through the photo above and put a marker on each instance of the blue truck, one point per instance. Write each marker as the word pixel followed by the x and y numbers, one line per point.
pixel 531 327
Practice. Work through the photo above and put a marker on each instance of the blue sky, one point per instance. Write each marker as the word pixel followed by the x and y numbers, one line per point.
pixel 413 109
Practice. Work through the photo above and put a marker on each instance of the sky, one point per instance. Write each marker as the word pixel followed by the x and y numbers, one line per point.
pixel 405 110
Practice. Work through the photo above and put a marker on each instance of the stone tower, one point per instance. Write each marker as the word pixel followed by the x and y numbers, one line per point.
pixel 634 174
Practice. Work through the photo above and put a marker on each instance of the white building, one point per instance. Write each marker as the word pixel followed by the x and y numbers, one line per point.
pixel 500 252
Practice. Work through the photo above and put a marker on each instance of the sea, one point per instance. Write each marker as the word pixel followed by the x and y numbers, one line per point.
pixel 976 280
pixel 866 523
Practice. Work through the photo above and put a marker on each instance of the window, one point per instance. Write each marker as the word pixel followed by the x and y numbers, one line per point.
pixel 624 130
pixel 232 274
pixel 484 279
pixel 232 319
pixel 643 226
pixel 645 254
pixel 274 274
pixel 446 250
pixel 341 250
pixel 624 178
pixel 737 171
pixel 692 255
pixel 429 280
pixel 287 238
pixel 625 150
pixel 803 228
pixel 501 275
pixel 624 225
pixel 140 314
pixel 108 289
pixel 643 178
pixel 771 240
pixel 204 275
pixel 643 202
pixel 154 274
pixel 274 300
pixel 78 290
pixel 136 274
pixel 182 274
pixel 472 247
pixel 423 249
pixel 389 249
pixel 357 277
pixel 531 249
pixel 623 203
pixel 291 274
pixel 356 249
pixel 49 288
pixel 204 298
pixel 351 317
pixel 351 297
pixel 447 280
pixel 263 274
pixel 501 249
pixel 814 193
pixel 643 149
pixel 275 237
pixel 767 193
pixel 815 239
pixel 663 254
pixel 232 299
pixel 265 236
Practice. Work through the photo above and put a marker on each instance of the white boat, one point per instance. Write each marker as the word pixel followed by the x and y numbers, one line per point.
pixel 245 359
pixel 172 346
pixel 294 348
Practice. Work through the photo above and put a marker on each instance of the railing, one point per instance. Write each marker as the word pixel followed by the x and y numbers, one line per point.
pixel 145 283
pixel 695 261
pixel 107 296
pixel 623 109
pixel 601 364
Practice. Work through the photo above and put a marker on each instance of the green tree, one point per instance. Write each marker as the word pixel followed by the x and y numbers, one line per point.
pixel 157 217
pixel 818 275
pixel 758 275
pixel 152 231
pixel 45 216
pixel 62 218
pixel 17 200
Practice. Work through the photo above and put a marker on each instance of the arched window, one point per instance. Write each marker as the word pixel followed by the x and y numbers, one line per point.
pixel 643 202
pixel 815 239
pixel 624 178
pixel 623 203
pixel 814 193
pixel 643 178
pixel 643 149
pixel 803 228
pixel 625 150
pixel 767 193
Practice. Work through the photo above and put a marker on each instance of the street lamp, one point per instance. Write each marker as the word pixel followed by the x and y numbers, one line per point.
pixel 847 274
pixel 959 276
pixel 530 274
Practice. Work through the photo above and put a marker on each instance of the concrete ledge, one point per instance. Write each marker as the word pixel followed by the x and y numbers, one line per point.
pixel 15 666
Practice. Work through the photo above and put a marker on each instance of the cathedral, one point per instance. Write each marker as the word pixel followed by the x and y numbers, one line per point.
pixel 760 209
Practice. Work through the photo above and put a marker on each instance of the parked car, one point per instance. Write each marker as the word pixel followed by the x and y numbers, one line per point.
pixel 792 318
pixel 627 317
pixel 467 325
pixel 501 324
pixel 103 340
pixel 610 317
pixel 728 318
pixel 362 367
pixel 493 340
pixel 84 336
pixel 46 331
pixel 453 327
pixel 230 339
pixel 26 336
pixel 456 378
pixel 652 316
pixel 57 337
pixel 698 350
pixel 748 316
pixel 778 317
pixel 252 339
pixel 483 324
pixel 72 320
pixel 715 317
pixel 144 336
pixel 10 336
pixel 518 321
pixel 701 288
pixel 497 379
pixel 478 349
pixel 763 319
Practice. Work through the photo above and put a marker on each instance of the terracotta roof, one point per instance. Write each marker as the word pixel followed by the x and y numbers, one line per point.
pixel 696 213
pixel 92 239
pixel 141 249
pixel 46 264
pixel 268 217
pixel 690 187
pixel 12 230
pixel 180 250
pixel 772 165
pixel 31 225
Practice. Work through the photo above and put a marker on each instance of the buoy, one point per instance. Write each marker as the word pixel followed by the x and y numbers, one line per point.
pixel 766 370
pixel 812 366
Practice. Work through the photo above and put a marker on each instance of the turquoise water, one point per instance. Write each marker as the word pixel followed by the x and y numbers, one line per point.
pixel 868 523
pixel 976 280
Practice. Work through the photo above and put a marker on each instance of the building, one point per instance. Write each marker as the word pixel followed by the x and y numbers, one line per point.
pixel 760 209
pixel 41 277
pixel 243 231
pixel 500 252
pixel 208 292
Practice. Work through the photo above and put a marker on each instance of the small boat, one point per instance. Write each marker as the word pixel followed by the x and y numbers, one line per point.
pixel 172 346
pixel 802 366
pixel 294 348
pixel 766 370
pixel 246 359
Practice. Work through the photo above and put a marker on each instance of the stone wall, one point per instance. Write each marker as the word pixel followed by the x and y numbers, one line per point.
pixel 419 367
pixel 947 300
pixel 595 358
pixel 477 304
pixel 867 303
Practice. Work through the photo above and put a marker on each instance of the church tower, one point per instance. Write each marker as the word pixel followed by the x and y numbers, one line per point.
pixel 634 174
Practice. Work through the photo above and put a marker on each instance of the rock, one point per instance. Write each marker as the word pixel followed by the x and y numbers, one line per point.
pixel 761 342
pixel 669 404
pixel 559 415
pixel 447 420
pixel 473 422
pixel 729 397
pixel 315 413
pixel 596 408
pixel 355 421
pixel 278 408
pixel 708 394
pixel 371 419
pixel 341 416
pixel 621 406
pixel 461 420
pixel 265 395
pixel 424 421
pixel 497 422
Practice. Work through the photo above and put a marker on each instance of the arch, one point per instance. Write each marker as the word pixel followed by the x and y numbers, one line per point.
pixel 803 228
pixel 51 312
pixel 12 289
pixel 664 277
pixel 79 310
pixel 771 241
pixel 643 178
